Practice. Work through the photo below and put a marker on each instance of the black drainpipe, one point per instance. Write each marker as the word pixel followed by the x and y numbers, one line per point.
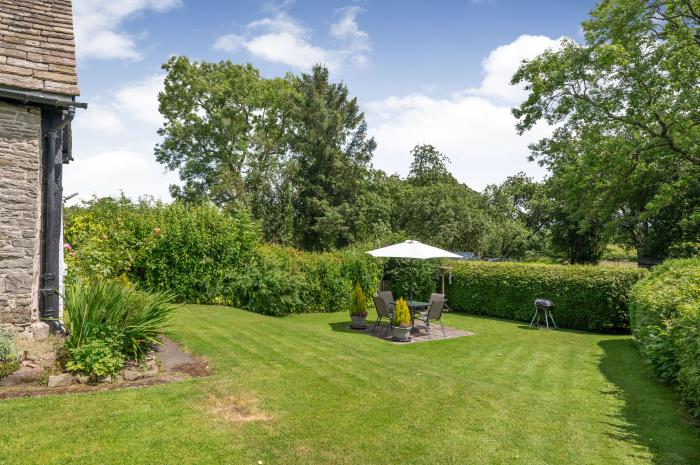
pixel 54 122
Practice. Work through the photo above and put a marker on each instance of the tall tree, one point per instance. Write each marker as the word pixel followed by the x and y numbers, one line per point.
pixel 225 132
pixel 332 152
pixel 429 166
pixel 627 109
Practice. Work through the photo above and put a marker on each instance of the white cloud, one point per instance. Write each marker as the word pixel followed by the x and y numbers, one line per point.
pixel 474 128
pixel 112 172
pixel 283 47
pixel 113 145
pixel 98 23
pixel 499 67
pixel 103 119
pixel 140 99
pixel 347 30
pixel 283 39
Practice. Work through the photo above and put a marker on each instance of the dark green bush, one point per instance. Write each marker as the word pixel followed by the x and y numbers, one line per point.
pixel 283 280
pixel 665 319
pixel 585 297
pixel 421 274
pixel 194 252
pixel 197 252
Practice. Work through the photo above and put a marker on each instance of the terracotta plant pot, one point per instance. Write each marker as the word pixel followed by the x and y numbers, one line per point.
pixel 358 322
pixel 401 334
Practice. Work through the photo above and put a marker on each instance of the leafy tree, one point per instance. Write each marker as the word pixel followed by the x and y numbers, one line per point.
pixel 225 131
pixel 627 109
pixel 332 152
pixel 428 166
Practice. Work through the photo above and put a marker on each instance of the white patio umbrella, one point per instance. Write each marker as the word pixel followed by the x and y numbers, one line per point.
pixel 412 250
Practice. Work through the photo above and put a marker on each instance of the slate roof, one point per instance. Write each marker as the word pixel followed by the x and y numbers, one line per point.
pixel 37 48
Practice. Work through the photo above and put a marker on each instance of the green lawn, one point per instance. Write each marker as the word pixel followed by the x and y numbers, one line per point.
pixel 508 395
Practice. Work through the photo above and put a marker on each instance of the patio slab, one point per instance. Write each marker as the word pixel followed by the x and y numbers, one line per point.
pixel 417 336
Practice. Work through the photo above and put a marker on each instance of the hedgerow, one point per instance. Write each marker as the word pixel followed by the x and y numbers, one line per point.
pixel 585 297
pixel 665 319
pixel 284 280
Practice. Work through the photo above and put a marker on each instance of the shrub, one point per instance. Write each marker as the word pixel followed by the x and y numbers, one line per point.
pixel 268 288
pixel 97 356
pixel 192 251
pixel 282 280
pixel 8 367
pixel 585 297
pixel 402 316
pixel 197 253
pixel 6 346
pixel 93 309
pixel 358 302
pixel 665 318
pixel 422 274
pixel 9 362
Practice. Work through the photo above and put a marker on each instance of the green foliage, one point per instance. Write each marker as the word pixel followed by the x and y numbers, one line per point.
pixel 684 250
pixel 421 275
pixel 8 367
pixel 135 318
pixel 358 301
pixel 429 166
pixel 402 316
pixel 96 357
pixel 283 280
pixel 268 287
pixel 585 297
pixel 332 154
pixel 197 253
pixel 6 347
pixel 625 104
pixel 225 130
pixel 9 362
pixel 665 317
pixel 192 251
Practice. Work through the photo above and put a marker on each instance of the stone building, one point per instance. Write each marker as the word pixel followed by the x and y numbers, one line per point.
pixel 38 89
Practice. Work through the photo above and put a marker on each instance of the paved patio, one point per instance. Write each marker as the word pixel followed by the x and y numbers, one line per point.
pixel 417 336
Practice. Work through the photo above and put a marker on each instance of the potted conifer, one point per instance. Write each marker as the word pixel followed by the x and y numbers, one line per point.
pixel 358 307
pixel 401 322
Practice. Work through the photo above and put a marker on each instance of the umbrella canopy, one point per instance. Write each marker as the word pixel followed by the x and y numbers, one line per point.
pixel 412 249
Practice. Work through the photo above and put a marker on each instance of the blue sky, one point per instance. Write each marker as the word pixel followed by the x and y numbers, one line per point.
pixel 424 72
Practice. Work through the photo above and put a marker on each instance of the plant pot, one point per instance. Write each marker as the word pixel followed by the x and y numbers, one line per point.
pixel 358 322
pixel 401 334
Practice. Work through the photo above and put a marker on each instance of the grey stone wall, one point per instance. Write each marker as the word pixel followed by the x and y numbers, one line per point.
pixel 20 212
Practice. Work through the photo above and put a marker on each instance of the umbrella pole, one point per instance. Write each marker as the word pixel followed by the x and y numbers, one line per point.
pixel 413 270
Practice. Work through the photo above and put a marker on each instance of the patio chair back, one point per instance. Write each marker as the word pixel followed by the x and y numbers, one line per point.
pixel 381 307
pixel 435 310
pixel 436 296
pixel 387 297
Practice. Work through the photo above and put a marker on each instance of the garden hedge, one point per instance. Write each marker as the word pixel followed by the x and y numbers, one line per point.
pixel 283 280
pixel 665 319
pixel 590 298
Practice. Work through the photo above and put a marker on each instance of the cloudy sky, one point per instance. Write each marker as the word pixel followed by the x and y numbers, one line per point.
pixel 423 71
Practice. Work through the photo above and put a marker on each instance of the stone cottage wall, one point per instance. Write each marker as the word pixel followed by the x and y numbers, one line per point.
pixel 20 212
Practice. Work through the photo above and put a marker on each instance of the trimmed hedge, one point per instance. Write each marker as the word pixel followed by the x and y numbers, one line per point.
pixel 585 297
pixel 284 280
pixel 665 314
